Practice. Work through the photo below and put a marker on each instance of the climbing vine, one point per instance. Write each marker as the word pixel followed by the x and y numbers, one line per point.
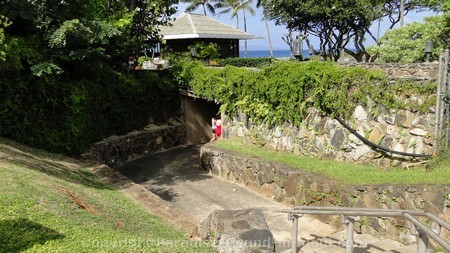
pixel 285 90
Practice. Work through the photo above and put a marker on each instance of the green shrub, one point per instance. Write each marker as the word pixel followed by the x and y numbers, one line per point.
pixel 246 62
pixel 67 115
pixel 285 90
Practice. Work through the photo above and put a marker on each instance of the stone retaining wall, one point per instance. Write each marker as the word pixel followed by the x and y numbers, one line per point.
pixel 116 150
pixel 321 136
pixel 415 71
pixel 298 187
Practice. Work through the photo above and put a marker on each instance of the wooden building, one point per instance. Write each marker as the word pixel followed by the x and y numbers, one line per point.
pixel 190 29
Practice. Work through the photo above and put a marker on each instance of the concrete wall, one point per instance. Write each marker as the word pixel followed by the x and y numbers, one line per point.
pixel 294 186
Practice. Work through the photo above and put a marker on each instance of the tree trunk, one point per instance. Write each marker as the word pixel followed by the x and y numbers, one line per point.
pixel 268 34
pixel 245 30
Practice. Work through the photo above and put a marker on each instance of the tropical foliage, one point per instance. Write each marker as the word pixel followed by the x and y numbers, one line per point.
pixel 407 43
pixel 206 4
pixel 340 25
pixel 286 90
pixel 64 79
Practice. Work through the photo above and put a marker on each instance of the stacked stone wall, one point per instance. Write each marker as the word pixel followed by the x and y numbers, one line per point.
pixel 417 71
pixel 294 186
pixel 116 150
pixel 321 136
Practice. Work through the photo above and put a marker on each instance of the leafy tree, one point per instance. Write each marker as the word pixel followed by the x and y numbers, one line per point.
pixel 340 25
pixel 63 82
pixel 407 43
pixel 206 4
pixel 444 35
pixel 334 22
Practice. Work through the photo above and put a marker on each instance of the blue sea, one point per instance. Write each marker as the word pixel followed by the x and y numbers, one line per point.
pixel 266 53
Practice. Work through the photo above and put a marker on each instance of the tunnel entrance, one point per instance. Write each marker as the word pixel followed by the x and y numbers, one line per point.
pixel 197 115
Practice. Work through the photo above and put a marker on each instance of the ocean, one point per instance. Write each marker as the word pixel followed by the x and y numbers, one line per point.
pixel 266 53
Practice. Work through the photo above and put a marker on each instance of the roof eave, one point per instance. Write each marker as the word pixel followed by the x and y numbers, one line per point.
pixel 210 36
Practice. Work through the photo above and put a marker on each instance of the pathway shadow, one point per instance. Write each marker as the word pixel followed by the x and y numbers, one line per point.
pixel 327 241
pixel 20 234
pixel 156 172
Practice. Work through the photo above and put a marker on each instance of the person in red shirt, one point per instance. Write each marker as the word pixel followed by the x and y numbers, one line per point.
pixel 216 126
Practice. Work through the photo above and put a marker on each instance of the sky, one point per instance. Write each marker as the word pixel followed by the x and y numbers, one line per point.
pixel 255 25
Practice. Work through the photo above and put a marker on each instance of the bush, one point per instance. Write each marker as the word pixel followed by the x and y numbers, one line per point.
pixel 285 90
pixel 68 115
pixel 246 62
pixel 407 44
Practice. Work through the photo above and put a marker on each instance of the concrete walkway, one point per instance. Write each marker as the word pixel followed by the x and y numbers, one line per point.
pixel 175 177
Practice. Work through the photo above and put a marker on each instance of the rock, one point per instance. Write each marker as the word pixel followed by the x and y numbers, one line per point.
pixel 398 147
pixel 418 132
pixel 361 151
pixel 337 138
pixel 387 142
pixel 376 135
pixel 237 231
pixel 389 120
pixel 415 145
pixel 360 113
pixel 404 119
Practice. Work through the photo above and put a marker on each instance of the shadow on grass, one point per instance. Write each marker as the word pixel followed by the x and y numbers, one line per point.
pixel 56 165
pixel 20 234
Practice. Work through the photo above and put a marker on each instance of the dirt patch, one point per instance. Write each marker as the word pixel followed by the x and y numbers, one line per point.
pixel 78 201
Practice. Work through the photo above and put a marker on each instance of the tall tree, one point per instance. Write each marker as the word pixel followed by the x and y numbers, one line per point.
pixel 244 7
pixel 259 4
pixel 229 6
pixel 206 4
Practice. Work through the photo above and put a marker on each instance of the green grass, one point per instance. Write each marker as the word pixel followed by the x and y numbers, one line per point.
pixel 40 201
pixel 349 173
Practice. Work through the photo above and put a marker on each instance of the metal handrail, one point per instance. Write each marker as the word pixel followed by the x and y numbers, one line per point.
pixel 436 219
pixel 423 231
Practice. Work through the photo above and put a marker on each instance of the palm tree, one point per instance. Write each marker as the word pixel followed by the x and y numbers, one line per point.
pixel 260 3
pixel 194 4
pixel 246 6
pixel 229 6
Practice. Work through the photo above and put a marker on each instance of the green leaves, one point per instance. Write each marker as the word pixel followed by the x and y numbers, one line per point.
pixel 46 68
pixel 286 90
pixel 406 44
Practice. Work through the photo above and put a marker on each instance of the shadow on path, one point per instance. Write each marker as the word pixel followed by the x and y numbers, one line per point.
pixel 159 171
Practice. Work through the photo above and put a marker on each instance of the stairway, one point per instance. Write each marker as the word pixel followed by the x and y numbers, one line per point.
pixel 335 243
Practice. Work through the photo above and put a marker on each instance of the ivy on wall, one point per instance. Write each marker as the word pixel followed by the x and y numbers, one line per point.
pixel 285 90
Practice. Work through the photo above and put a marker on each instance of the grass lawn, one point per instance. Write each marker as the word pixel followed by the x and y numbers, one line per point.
pixel 346 172
pixel 49 203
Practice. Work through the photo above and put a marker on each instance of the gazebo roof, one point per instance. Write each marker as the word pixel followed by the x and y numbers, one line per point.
pixel 192 26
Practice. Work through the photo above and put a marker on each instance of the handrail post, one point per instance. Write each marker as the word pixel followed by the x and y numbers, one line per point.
pixel 350 221
pixel 422 241
pixel 294 218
